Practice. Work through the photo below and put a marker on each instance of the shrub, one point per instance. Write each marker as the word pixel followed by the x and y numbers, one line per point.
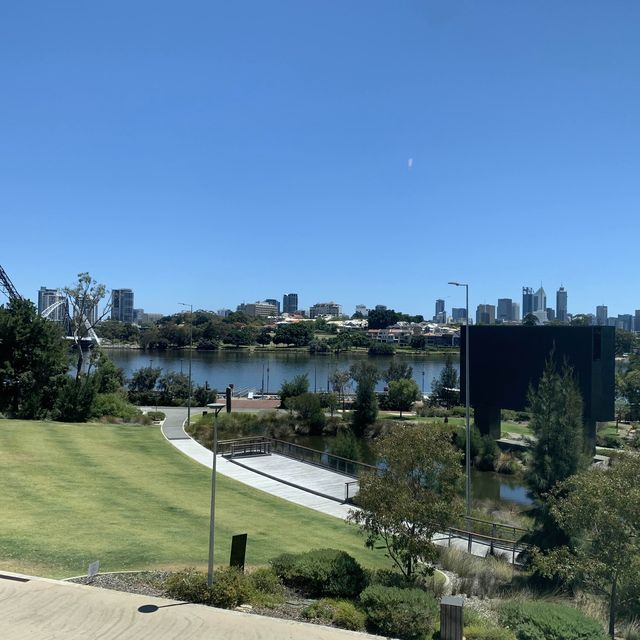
pixel 156 415
pixel 478 576
pixel 408 614
pixel 487 632
pixel 347 616
pixel 320 610
pixel 230 588
pixel 115 405
pixel 321 572
pixel 548 621
pixel 265 580
pixel 609 441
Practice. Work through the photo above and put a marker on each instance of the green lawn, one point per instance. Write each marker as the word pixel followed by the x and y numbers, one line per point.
pixel 72 494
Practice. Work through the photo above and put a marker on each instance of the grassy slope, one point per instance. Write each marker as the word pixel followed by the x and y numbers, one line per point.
pixel 71 494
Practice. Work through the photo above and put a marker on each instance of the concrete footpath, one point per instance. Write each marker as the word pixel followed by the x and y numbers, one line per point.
pixel 40 609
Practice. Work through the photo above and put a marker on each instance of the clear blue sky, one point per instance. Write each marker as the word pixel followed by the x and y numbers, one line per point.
pixel 220 152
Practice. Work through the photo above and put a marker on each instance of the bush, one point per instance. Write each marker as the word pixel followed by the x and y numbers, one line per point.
pixel 321 572
pixel 487 632
pixel 381 349
pixel 113 405
pixel 478 576
pixel 609 441
pixel 548 621
pixel 265 580
pixel 156 415
pixel 347 616
pixel 408 614
pixel 230 588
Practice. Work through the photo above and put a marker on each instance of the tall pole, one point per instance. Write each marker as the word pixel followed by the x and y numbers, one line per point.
pixel 184 304
pixel 212 514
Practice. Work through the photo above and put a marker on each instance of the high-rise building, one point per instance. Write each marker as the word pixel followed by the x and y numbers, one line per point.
pixel 439 307
pixel 551 314
pixel 325 309
pixel 505 310
pixel 289 303
pixel 625 322
pixel 122 305
pixel 602 312
pixel 527 301
pixel 515 312
pixel 540 300
pixel 636 321
pixel 458 314
pixel 274 302
pixel 486 314
pixel 561 305
pixel 49 297
pixel 362 310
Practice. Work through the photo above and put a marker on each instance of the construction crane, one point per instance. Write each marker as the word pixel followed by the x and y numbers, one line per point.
pixel 7 286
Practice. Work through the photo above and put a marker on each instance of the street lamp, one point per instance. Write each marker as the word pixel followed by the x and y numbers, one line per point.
pixel 217 408
pixel 467 396
pixel 184 304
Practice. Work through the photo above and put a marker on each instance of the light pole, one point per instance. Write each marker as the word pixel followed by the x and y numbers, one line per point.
pixel 467 396
pixel 184 304
pixel 217 408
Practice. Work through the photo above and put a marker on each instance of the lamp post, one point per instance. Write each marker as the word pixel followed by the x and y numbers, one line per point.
pixel 217 408
pixel 184 304
pixel 467 396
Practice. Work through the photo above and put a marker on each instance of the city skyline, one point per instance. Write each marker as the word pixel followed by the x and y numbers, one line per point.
pixel 363 152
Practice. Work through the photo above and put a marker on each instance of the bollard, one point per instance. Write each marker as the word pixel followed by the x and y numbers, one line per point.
pixel 451 619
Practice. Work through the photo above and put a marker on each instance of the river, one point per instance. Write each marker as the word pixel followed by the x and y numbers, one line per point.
pixel 267 370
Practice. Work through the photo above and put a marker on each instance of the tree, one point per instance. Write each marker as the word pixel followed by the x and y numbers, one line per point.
pixel 240 335
pixel 413 498
pixel 142 385
pixel 33 361
pixel 402 394
pixel 297 335
pixel 530 320
pixel 297 386
pixel 329 401
pixel 264 337
pixel 174 388
pixel 626 342
pixel 339 380
pixel 381 318
pixel 309 409
pixel 397 371
pixel 629 389
pixel 599 510
pixel 365 406
pixel 559 448
pixel 85 297
pixel 445 388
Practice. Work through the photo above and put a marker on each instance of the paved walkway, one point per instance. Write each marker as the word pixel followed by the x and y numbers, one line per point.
pixel 40 609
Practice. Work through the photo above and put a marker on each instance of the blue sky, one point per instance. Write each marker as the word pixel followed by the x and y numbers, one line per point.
pixel 221 152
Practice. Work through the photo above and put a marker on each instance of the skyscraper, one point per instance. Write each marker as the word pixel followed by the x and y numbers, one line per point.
pixel 602 313
pixel 540 300
pixel 515 312
pixel 527 301
pixel 458 314
pixel 561 304
pixel 122 307
pixel 49 297
pixel 440 315
pixel 505 310
pixel 289 303
pixel 485 314
pixel 636 321
pixel 274 302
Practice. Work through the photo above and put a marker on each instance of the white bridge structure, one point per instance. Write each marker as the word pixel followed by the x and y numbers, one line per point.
pixel 63 302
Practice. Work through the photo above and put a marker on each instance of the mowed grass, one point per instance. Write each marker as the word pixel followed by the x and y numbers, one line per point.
pixel 74 493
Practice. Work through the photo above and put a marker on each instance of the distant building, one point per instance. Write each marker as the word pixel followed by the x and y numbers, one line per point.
pixel 140 317
pixel 325 309
pixel 381 307
pixel 636 321
pixel 625 322
pixel 122 305
pixel 362 310
pixel 505 310
pixel 602 313
pixel 290 303
pixel 440 316
pixel 275 303
pixel 262 309
pixel 486 314
pixel 551 314
pixel 540 300
pixel 527 301
pixel 49 297
pixel 515 312
pixel 223 313
pixel 458 314
pixel 561 304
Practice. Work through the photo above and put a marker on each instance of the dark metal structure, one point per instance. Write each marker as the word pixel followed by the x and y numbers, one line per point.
pixel 504 361
pixel 7 286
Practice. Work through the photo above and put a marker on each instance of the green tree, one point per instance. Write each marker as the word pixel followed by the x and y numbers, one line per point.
pixel 415 497
pixel 240 335
pixel 142 385
pixel 445 388
pixel 382 318
pixel 339 380
pixel 402 394
pixel 365 406
pixel 559 449
pixel 629 389
pixel 297 335
pixel 173 388
pixel 329 401
pixel 626 342
pixel 264 337
pixel 599 510
pixel 293 388
pixel 33 361
pixel 530 320
pixel 397 371
pixel 309 410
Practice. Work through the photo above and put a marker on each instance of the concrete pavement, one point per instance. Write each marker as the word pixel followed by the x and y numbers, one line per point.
pixel 40 609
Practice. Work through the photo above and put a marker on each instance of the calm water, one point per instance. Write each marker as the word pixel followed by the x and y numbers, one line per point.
pixel 257 371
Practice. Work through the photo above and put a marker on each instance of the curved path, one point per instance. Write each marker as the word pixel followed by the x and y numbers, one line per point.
pixel 173 431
